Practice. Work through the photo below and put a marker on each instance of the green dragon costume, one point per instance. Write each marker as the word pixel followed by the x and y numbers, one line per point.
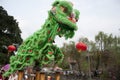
pixel 39 47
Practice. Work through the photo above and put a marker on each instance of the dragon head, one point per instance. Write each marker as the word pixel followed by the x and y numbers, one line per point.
pixel 66 17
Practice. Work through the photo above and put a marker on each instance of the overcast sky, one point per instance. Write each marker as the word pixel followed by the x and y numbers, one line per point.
pixel 95 16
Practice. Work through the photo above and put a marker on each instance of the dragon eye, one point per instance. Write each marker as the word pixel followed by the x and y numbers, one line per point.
pixel 57 2
pixel 66 10
pixel 63 8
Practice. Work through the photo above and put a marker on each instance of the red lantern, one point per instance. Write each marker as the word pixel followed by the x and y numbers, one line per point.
pixel 11 48
pixel 81 46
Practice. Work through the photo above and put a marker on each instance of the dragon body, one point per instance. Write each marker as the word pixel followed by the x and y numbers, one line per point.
pixel 39 47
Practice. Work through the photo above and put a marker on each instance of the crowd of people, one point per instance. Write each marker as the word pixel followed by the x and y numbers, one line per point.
pixel 14 76
pixel 2 71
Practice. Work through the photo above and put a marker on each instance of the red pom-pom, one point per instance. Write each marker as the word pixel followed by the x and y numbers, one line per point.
pixel 11 48
pixel 50 52
pixel 81 46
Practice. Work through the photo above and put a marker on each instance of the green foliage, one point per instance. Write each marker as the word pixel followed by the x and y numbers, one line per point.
pixel 9 30
pixel 9 33
pixel 103 53
pixel 2 59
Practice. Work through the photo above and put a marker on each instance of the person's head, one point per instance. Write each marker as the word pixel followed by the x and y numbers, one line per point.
pixel 2 71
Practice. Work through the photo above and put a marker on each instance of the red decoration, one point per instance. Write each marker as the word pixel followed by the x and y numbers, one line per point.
pixel 49 32
pixel 49 39
pixel 72 19
pixel 11 48
pixel 30 50
pixel 27 58
pixel 59 29
pixel 46 59
pixel 50 52
pixel 81 46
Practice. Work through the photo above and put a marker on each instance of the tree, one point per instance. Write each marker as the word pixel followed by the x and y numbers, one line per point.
pixel 69 52
pixel 10 32
pixel 72 57
pixel 99 39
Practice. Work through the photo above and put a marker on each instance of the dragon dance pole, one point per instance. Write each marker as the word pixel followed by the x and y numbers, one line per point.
pixel 38 75
pixel 57 76
pixel 42 76
pixel 20 75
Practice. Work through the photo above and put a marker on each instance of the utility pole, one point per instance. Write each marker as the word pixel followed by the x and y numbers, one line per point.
pixel 89 66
